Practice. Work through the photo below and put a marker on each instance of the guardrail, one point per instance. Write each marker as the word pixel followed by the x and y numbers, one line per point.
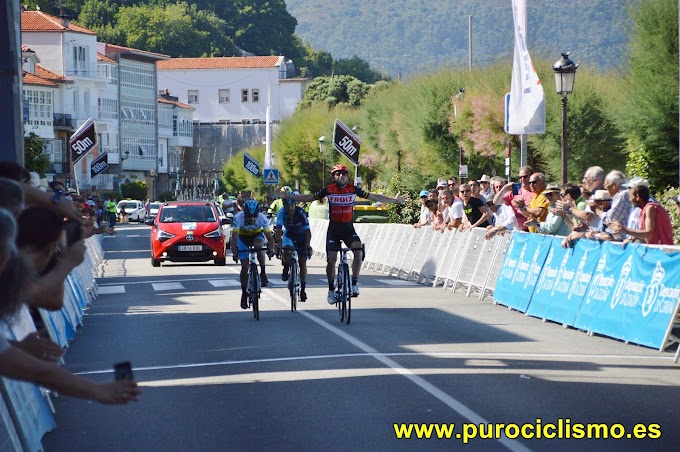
pixel 26 410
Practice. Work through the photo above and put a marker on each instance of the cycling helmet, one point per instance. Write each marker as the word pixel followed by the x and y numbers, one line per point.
pixel 289 201
pixel 251 208
pixel 339 167
pixel 285 188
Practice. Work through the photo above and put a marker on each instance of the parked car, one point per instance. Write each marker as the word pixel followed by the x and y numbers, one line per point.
pixel 134 209
pixel 187 231
pixel 152 210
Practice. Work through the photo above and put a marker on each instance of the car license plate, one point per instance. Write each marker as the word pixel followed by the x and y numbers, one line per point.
pixel 189 248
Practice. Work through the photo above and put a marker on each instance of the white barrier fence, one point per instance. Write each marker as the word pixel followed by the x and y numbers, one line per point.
pixel 26 410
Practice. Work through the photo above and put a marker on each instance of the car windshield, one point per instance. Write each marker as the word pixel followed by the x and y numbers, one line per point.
pixel 154 206
pixel 182 214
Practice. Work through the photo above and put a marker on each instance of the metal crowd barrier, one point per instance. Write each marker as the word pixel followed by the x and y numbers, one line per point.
pixel 26 410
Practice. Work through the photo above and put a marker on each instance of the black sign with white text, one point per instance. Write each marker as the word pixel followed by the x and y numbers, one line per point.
pixel 82 141
pixel 346 142
pixel 99 165
pixel 251 165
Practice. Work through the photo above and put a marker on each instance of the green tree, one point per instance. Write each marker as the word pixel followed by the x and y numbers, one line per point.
pixel 134 190
pixel 336 90
pixel 34 159
pixel 356 67
pixel 648 114
pixel 178 30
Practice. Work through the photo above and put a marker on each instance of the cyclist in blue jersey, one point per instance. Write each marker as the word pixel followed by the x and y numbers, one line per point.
pixel 250 227
pixel 292 231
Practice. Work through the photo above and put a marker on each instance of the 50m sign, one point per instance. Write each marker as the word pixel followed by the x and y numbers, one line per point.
pixel 346 142
pixel 83 140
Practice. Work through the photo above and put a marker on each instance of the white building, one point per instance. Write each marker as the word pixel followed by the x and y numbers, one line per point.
pixel 232 90
pixel 175 134
pixel 68 56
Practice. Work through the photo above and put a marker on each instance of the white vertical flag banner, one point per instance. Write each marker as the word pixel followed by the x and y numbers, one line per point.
pixel 527 100
pixel 268 152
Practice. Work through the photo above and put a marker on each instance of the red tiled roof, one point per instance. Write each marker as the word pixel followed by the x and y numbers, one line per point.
pixel 112 48
pixel 173 102
pixel 102 57
pixel 48 75
pixel 40 21
pixel 32 79
pixel 219 63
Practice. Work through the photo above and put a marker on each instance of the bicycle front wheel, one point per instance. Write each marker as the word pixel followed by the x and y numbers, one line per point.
pixel 293 282
pixel 254 290
pixel 347 294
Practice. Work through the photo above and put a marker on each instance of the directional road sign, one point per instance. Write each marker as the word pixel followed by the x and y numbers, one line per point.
pixel 250 164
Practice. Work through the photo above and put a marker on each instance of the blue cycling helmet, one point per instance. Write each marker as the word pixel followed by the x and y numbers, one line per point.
pixel 251 208
pixel 289 201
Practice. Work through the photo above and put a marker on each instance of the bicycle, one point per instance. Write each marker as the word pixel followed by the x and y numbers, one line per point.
pixel 294 285
pixel 343 287
pixel 253 287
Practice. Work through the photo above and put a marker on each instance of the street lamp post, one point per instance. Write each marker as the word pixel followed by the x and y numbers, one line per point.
pixel 322 148
pixel 565 72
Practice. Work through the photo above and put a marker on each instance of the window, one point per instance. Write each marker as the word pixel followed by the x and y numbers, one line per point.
pixel 193 96
pixel 79 60
pixel 244 95
pixel 224 96
pixel 256 95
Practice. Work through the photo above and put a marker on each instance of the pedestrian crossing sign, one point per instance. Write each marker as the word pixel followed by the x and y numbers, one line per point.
pixel 271 176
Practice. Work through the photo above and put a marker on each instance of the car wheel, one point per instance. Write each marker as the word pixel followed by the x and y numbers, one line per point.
pixel 221 262
pixel 155 262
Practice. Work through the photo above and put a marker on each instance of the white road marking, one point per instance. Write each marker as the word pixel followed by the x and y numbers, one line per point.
pixel 167 286
pixel 224 282
pixel 111 290
pixel 419 381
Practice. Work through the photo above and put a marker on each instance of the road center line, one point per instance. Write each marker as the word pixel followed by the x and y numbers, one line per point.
pixel 440 395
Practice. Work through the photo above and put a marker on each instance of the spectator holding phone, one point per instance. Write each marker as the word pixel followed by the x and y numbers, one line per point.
pixel 17 364
pixel 518 198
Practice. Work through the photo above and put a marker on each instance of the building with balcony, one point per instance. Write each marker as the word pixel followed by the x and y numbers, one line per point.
pixel 175 136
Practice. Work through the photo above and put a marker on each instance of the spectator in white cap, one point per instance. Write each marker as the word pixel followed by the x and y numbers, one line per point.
pixel 554 223
pixel 485 187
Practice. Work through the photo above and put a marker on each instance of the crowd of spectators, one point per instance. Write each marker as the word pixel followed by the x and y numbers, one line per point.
pixel 602 207
pixel 42 232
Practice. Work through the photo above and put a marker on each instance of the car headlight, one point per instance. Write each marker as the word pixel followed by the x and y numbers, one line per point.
pixel 214 234
pixel 163 235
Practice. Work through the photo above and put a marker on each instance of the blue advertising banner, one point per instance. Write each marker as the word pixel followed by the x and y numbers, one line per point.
pixel 521 268
pixel 633 296
pixel 564 281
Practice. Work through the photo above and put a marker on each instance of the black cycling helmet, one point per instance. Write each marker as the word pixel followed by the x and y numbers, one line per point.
pixel 251 208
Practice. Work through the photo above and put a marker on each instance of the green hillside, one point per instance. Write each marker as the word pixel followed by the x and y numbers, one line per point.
pixel 410 36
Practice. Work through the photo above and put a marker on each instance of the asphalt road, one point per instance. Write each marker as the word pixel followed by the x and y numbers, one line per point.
pixel 215 379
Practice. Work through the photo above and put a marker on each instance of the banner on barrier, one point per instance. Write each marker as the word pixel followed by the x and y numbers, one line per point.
pixel 633 296
pixel 521 269
pixel 564 281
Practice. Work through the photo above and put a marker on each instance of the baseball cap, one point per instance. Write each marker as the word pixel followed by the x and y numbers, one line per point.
pixel 636 181
pixel 441 183
pixel 424 193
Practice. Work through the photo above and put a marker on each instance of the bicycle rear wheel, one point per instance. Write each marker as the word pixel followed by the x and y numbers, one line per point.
pixel 347 294
pixel 254 290
pixel 293 285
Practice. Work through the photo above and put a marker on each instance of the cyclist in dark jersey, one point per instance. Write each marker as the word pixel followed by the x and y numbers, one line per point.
pixel 340 195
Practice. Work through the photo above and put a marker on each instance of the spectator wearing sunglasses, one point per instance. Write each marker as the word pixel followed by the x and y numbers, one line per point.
pixel 521 199
pixel 476 213
pixel 538 206
pixel 554 223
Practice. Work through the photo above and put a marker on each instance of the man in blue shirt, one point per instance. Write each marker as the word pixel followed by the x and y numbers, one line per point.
pixel 292 231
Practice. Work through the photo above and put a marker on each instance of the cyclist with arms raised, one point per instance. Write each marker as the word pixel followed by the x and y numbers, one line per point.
pixel 250 227
pixel 340 195
pixel 292 231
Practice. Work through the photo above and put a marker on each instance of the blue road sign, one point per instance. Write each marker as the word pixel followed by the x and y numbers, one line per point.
pixel 271 176
pixel 250 164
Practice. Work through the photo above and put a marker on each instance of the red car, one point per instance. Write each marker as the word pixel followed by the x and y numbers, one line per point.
pixel 187 231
